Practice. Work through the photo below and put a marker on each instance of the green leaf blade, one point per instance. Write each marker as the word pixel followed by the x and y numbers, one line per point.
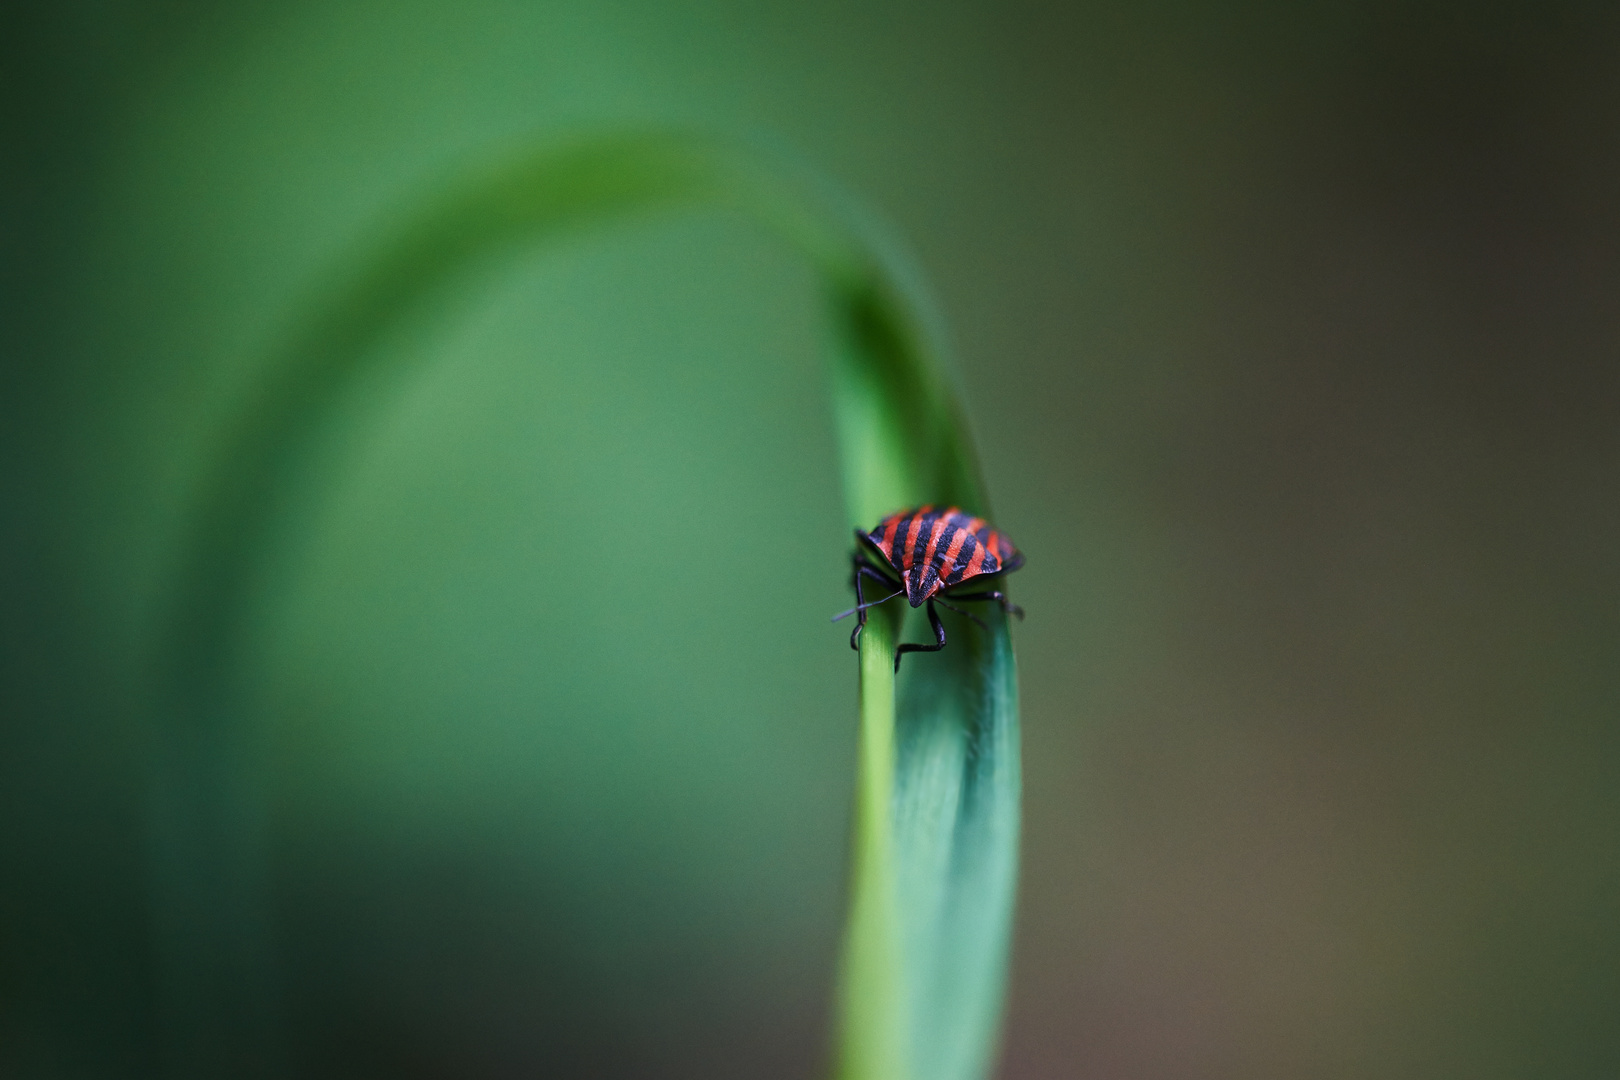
pixel 945 869
pixel 936 820
pixel 957 792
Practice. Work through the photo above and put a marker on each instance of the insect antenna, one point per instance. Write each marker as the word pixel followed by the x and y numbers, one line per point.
pixel 869 603
pixel 959 611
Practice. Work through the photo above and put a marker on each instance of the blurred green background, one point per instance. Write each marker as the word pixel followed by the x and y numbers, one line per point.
pixel 1290 336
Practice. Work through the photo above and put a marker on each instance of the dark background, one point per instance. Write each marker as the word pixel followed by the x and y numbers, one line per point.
pixel 1290 337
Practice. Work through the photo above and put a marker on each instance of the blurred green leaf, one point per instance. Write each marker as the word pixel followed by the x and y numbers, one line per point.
pixel 936 834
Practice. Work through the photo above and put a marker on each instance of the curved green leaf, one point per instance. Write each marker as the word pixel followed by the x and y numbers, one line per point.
pixel 937 806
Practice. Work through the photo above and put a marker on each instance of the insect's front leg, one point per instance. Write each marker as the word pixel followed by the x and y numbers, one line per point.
pixel 939 638
pixel 862 569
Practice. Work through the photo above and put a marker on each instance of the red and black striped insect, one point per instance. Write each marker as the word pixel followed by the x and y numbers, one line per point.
pixel 930 551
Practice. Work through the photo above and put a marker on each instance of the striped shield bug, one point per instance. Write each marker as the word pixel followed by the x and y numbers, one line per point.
pixel 922 553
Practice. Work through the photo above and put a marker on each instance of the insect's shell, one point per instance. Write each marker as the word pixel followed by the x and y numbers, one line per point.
pixel 932 549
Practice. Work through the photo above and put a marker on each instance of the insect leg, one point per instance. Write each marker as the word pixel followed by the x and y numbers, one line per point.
pixel 864 570
pixel 939 638
pixel 999 597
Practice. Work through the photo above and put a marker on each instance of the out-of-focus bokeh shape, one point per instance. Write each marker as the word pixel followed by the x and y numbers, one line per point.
pixel 1290 337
